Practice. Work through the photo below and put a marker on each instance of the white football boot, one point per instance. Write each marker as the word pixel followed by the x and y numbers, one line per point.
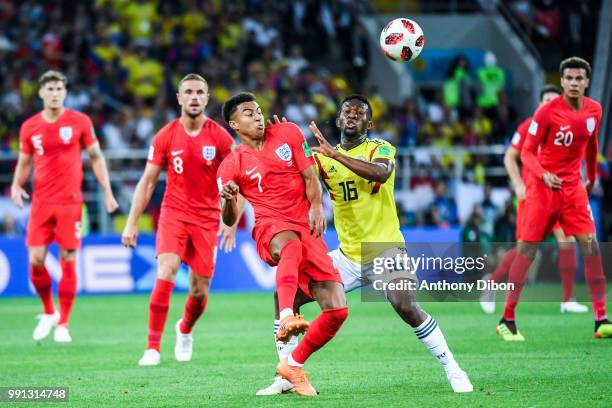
pixel 45 323
pixel 183 349
pixel 459 380
pixel 279 386
pixel 62 335
pixel 149 358
pixel 571 306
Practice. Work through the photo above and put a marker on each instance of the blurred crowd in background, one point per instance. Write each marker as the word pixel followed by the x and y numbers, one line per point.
pixel 124 58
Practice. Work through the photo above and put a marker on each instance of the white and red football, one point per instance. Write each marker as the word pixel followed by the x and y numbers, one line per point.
pixel 402 40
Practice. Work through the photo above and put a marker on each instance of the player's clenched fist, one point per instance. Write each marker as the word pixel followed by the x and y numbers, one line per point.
pixel 129 235
pixel 552 181
pixel 229 191
pixel 110 203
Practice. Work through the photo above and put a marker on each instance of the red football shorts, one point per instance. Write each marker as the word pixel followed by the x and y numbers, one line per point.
pixel 544 207
pixel 519 219
pixel 59 222
pixel 196 245
pixel 316 264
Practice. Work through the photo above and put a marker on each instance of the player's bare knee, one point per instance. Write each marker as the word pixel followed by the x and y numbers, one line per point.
pixel 166 271
pixel 37 261
pixel 199 287
pixel 528 249
pixel 67 254
pixel 198 292
pixel 588 245
pixel 36 257
pixel 329 295
pixel 279 241
pixel 411 314
pixel 167 266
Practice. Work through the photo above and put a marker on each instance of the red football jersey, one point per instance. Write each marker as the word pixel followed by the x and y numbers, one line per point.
pixel 191 164
pixel 564 136
pixel 518 140
pixel 270 179
pixel 58 169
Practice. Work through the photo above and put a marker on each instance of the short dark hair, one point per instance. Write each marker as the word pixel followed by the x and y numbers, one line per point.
pixel 229 106
pixel 575 62
pixel 549 88
pixel 51 76
pixel 192 77
pixel 360 98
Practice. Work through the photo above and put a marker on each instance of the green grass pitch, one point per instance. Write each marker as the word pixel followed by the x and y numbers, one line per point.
pixel 374 360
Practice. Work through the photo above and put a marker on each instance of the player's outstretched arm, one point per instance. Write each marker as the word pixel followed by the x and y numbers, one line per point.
pixel 22 174
pixel 378 170
pixel 98 165
pixel 511 159
pixel 314 193
pixel 142 196
pixel 230 211
pixel 228 234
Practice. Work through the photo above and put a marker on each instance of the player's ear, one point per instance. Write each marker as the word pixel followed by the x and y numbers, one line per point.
pixel 370 124
pixel 178 98
pixel 338 122
pixel 234 125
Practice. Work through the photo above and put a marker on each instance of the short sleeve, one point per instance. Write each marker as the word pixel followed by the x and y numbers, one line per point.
pixel 539 123
pixel 384 150
pixel 299 147
pixel 518 139
pixel 157 150
pixel 88 133
pixel 227 171
pixel 226 142
pixel 25 141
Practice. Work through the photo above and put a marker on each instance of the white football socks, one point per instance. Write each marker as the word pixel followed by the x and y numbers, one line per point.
pixel 431 336
pixel 284 350
pixel 286 312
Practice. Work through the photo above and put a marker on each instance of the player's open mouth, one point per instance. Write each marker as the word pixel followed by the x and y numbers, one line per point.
pixel 350 125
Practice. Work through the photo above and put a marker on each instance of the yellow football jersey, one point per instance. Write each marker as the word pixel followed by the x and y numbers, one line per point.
pixel 364 211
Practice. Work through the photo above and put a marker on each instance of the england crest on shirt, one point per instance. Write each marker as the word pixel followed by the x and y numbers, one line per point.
pixel 209 152
pixel 590 122
pixel 284 152
pixel 65 134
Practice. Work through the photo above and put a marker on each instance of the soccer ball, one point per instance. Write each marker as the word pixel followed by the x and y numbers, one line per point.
pixel 402 40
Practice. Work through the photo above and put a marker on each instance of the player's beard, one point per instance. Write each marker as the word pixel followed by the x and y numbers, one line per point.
pixel 191 114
